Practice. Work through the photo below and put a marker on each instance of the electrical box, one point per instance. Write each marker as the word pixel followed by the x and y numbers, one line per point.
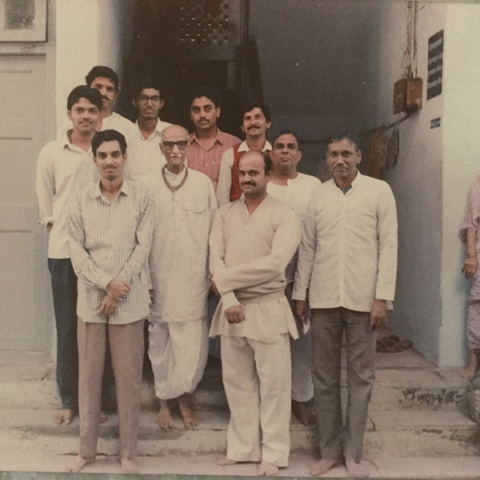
pixel 407 95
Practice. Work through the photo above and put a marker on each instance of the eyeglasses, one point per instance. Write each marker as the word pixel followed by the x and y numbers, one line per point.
pixel 182 145
pixel 145 98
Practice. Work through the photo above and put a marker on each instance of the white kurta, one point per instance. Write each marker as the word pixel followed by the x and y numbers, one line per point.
pixel 297 194
pixel 179 271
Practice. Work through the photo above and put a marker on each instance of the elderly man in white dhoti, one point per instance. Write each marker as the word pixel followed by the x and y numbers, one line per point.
pixel 179 269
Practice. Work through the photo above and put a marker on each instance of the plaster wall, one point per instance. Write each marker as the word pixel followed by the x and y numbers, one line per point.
pixel 461 161
pixel 417 178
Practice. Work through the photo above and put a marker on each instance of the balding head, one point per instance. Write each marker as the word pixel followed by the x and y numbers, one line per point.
pixel 174 146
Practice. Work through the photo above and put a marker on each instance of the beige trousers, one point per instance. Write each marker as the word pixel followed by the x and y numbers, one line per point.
pixel 336 437
pixel 126 346
pixel 257 380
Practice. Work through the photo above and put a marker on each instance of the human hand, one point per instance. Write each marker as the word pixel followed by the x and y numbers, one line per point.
pixel 378 314
pixel 235 314
pixel 108 306
pixel 118 289
pixel 470 267
pixel 213 287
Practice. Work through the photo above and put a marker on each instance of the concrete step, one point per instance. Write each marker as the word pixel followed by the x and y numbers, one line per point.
pixel 400 433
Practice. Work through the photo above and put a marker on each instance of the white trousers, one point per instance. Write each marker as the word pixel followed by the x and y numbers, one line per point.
pixel 178 352
pixel 302 383
pixel 257 380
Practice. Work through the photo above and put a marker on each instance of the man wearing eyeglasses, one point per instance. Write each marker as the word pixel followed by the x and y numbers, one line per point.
pixel 178 333
pixel 348 263
pixel 148 157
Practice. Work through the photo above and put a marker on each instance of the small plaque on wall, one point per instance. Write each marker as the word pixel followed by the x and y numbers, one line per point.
pixel 435 65
pixel 23 20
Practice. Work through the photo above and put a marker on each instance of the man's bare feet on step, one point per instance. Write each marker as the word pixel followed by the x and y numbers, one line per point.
pixel 190 420
pixel 323 466
pixel 303 413
pixel 470 368
pixel 65 415
pixel 129 465
pixel 164 417
pixel 357 470
pixel 225 462
pixel 79 462
pixel 265 469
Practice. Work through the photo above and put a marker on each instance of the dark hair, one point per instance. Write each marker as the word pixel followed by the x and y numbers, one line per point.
pixel 205 91
pixel 266 159
pixel 340 135
pixel 251 105
pixel 289 132
pixel 105 72
pixel 82 91
pixel 147 82
pixel 108 136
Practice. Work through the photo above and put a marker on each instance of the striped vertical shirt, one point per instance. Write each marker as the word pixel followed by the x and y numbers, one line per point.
pixel 111 240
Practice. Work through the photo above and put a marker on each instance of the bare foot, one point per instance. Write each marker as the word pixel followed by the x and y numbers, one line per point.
pixel 323 466
pixel 164 417
pixel 356 470
pixel 79 463
pixel 190 420
pixel 303 413
pixel 103 417
pixel 129 465
pixel 225 462
pixel 65 415
pixel 265 469
pixel 470 368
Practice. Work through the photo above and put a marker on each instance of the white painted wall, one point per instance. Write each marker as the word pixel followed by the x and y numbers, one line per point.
pixel 88 33
pixel 417 179
pixel 461 161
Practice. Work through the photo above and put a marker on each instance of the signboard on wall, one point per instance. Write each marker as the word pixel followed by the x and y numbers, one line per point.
pixel 435 65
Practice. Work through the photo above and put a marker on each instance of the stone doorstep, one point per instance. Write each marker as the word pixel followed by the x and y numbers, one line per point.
pixel 401 433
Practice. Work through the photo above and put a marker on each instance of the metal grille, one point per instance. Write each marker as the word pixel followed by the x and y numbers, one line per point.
pixel 205 22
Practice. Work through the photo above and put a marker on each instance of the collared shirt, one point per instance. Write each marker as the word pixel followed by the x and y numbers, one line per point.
pixel 225 176
pixel 146 159
pixel 207 160
pixel 248 257
pixel 348 252
pixel 62 169
pixel 179 256
pixel 111 240
pixel 297 195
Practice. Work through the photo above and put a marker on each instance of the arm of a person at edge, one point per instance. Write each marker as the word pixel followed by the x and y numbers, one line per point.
pixel 82 261
pixel 261 270
pixel 471 263
pixel 108 305
pixel 144 234
pixel 300 312
pixel 225 178
pixel 45 188
pixel 378 314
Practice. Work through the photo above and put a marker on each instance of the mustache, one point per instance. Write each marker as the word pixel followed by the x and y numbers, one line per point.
pixel 253 126
pixel 248 183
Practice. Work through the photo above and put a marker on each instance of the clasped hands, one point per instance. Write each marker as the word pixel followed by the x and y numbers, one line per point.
pixel 117 290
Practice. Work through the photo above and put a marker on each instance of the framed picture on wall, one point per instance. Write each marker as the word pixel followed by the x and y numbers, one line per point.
pixel 23 20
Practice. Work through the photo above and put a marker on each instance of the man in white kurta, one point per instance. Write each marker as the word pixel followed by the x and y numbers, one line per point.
pixel 295 189
pixel 178 335
pixel 252 242
pixel 348 262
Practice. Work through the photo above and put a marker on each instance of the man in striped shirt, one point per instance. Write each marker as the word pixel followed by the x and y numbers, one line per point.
pixel 110 227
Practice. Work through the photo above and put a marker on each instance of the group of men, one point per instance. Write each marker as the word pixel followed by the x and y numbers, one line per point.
pixel 136 234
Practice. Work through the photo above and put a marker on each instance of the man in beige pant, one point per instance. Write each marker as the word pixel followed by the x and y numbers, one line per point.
pixel 110 227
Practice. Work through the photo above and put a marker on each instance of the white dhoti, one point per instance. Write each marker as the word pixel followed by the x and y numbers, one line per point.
pixel 257 380
pixel 178 352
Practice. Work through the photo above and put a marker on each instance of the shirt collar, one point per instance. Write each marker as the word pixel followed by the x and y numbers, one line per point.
pixel 218 138
pixel 66 143
pixel 244 147
pixel 159 127
pixel 125 189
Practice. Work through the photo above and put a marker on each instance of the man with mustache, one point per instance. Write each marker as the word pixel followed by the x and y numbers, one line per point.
pixel 347 262
pixel 178 333
pixel 252 241
pixel 64 166
pixel 110 226
pixel 148 157
pixel 256 121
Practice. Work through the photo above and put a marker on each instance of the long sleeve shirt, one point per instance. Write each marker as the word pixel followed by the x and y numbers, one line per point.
pixel 62 169
pixel 179 256
pixel 111 240
pixel 348 252
pixel 248 257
